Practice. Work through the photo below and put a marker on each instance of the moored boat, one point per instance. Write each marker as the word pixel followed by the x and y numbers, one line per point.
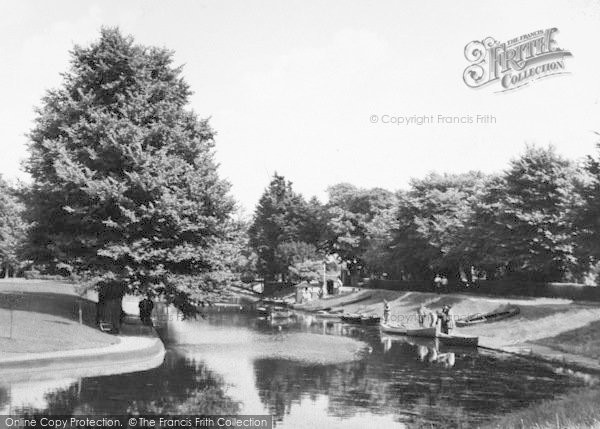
pixel 493 316
pixel 458 340
pixel 360 319
pixel 328 314
pixel 393 329
pixel 278 313
pixel 370 320
pixel 350 318
pixel 264 311
pixel 422 332
pixel 433 333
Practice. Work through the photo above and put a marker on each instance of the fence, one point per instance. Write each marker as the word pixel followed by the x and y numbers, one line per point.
pixel 499 287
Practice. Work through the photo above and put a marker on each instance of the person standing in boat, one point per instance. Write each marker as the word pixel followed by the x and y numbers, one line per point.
pixel 447 319
pixel 426 317
pixel 386 311
pixel 422 315
pixel 451 319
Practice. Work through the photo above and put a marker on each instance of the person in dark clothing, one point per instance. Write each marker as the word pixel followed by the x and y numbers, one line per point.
pixel 446 320
pixel 146 306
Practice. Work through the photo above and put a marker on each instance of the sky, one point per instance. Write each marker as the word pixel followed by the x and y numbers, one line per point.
pixel 293 86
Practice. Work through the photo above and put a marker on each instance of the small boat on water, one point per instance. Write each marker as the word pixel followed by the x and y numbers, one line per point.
pixel 280 313
pixel 322 314
pixel 493 316
pixel 432 332
pixel 350 318
pixel 422 332
pixel 458 340
pixel 370 320
pixel 393 329
pixel 264 311
pixel 360 319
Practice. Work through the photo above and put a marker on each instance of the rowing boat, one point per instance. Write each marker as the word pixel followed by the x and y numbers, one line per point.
pixel 458 340
pixel 360 319
pixel 284 314
pixel 370 320
pixel 393 329
pixel 493 316
pixel 422 332
pixel 402 330
pixel 328 314
pixel 446 339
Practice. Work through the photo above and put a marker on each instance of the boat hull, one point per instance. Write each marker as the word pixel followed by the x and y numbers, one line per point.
pixel 489 317
pixel 458 340
pixel 446 339
pixel 422 332
pixel 281 315
pixel 360 320
pixel 391 329
pixel 327 315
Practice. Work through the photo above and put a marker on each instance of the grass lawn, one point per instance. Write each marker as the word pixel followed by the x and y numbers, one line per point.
pixel 584 341
pixel 577 410
pixel 45 318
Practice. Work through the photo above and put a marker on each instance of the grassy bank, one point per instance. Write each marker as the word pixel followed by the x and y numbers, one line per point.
pixel 553 321
pixel 45 318
pixel 584 341
pixel 577 410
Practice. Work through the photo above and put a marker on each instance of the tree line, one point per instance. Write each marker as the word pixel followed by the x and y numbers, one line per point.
pixel 538 220
pixel 125 195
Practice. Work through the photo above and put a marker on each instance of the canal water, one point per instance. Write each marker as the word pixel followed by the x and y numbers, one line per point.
pixel 238 363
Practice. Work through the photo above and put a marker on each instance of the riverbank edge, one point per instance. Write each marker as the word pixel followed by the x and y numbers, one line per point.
pixel 576 364
pixel 129 348
pixel 547 355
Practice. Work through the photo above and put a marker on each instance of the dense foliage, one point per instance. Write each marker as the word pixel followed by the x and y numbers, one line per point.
pixel 537 221
pixel 125 187
pixel 285 230
pixel 13 229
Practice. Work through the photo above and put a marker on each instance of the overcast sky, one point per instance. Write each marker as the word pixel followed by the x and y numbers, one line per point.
pixel 291 85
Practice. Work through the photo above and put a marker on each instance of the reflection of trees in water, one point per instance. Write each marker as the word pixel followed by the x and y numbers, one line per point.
pixel 180 386
pixel 479 387
pixel 281 383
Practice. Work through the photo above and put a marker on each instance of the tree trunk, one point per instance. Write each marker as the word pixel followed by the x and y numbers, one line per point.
pixel 110 305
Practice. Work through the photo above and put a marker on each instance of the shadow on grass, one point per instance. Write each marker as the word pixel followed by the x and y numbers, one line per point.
pixel 53 303
pixel 584 341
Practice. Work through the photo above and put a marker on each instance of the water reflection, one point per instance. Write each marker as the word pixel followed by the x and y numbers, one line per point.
pixel 213 367
pixel 178 386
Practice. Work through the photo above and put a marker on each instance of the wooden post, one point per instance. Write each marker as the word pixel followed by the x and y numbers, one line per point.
pixel 324 278
pixel 80 312
pixel 11 322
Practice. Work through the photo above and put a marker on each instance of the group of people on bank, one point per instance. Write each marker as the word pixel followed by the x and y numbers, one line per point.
pixel 443 317
pixel 428 318
pixel 440 284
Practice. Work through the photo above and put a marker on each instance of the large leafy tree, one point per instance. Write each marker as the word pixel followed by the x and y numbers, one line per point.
pixel 125 186
pixel 427 235
pixel 13 228
pixel 282 216
pixel 587 212
pixel 524 223
pixel 350 211
pixel 300 260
